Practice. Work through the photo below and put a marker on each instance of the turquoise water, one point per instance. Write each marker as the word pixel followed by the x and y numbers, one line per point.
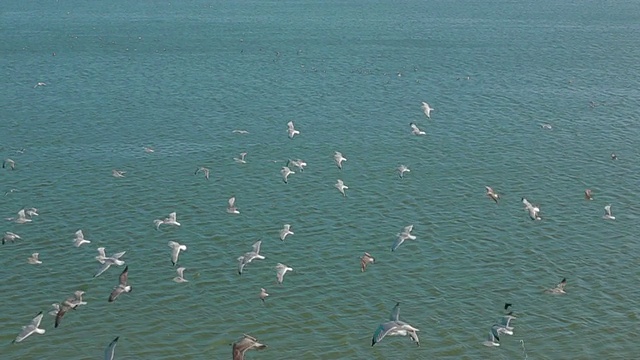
pixel 180 76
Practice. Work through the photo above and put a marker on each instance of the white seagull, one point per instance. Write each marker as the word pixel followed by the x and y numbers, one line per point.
pixel 171 220
pixel 204 170
pixel 607 213
pixel 298 163
pixel 341 187
pixel 286 230
pixel 110 351
pixel 31 328
pixel 405 234
pixel 559 289
pixel 338 158
pixel 34 259
pixel 39 84
pixel 241 159
pixel 180 278
pixel 285 171
pixel 534 211
pixel 69 303
pixel 291 130
pixel 118 173
pixel 281 269
pixel 232 209
pixel 365 260
pixel 401 170
pixel 492 194
pixel 494 338
pixel 122 286
pixel 21 219
pixel 250 256
pixel 415 130
pixel 240 132
pixel 263 294
pixel 9 236
pixel 395 327
pixel 107 261
pixel 79 239
pixel 10 163
pixel 426 109
pixel 175 251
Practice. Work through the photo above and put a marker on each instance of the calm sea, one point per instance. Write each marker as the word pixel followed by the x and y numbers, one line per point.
pixel 180 76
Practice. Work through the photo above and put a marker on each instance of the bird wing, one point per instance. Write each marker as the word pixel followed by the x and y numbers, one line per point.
pixel 60 314
pixel 103 268
pixel 256 246
pixel 114 294
pixel 395 313
pixel 124 275
pixel 110 351
pixel 397 243
pixel 382 331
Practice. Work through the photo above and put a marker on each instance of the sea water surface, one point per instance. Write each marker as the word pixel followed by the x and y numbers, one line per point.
pixel 180 76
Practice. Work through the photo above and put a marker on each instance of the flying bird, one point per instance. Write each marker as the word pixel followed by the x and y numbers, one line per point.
pixel 534 211
pixel 70 303
pixel 9 236
pixel 492 194
pixel 607 213
pixel 247 342
pixel 338 158
pixel 250 256
pixel 426 109
pixel 297 163
pixel 559 289
pixel 285 173
pixel 286 230
pixel 365 260
pixel 29 329
pixel 21 219
pixel 588 195
pixel 203 170
pixel 341 187
pixel 110 351
pixel 291 130
pixel 118 173
pixel 494 338
pixel 122 286
pixel 281 269
pixel 10 163
pixel 241 159
pixel 263 294
pixel 34 259
pixel 232 209
pixel 39 84
pixel 415 130
pixel 395 327
pixel 405 234
pixel 180 278
pixel 175 251
pixel 79 239
pixel 107 261
pixel 171 220
pixel 401 170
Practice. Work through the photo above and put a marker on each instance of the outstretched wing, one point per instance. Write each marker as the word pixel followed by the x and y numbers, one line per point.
pixel 382 331
pixel 110 351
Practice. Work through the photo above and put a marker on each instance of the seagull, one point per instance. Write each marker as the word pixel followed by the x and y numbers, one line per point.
pixel 21 219
pixel 171 220
pixel 10 191
pixel 427 109
pixel 204 170
pixel 122 285
pixel 494 338
pixel 402 236
pixel 415 130
pixel 39 84
pixel 607 213
pixel 250 256
pixel 281 269
pixel 175 251
pixel 588 195
pixel 263 294
pixel 30 329
pixel 107 261
pixel 118 173
pixel 365 260
pixel 241 159
pixel 247 342
pixel 559 289
pixel 286 230
pixel 341 187
pixel 9 236
pixel 395 327
pixel 180 278
pixel 56 308
pixel 298 163
pixel 506 323
pixel 291 130
pixel 110 351
pixel 338 158
pixel 10 163
pixel 613 157
pixel 240 132
pixel 285 173
pixel 401 170
pixel 534 211
pixel 546 126
pixel 492 194
pixel 34 259
pixel 70 303
pixel 231 209
pixel 79 240
pixel 148 150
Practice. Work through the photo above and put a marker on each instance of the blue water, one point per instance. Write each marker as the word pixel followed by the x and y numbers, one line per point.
pixel 181 76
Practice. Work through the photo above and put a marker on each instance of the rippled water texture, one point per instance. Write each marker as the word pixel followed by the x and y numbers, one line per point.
pixel 181 76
